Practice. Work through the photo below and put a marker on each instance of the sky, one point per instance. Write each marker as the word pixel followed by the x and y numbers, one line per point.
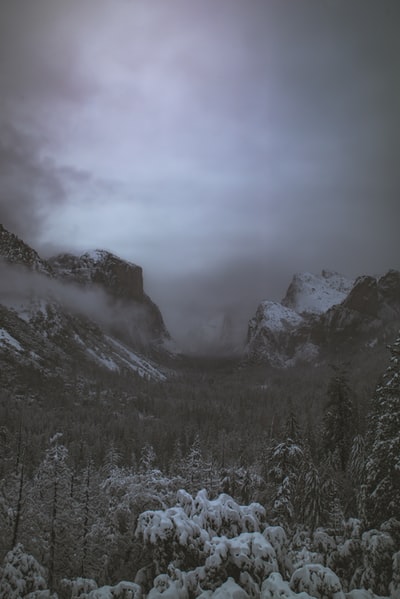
pixel 223 145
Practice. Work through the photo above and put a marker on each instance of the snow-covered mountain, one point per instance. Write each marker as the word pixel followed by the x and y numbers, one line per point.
pixel 322 316
pixel 315 294
pixel 72 318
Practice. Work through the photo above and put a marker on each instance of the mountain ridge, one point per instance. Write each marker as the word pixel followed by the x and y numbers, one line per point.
pixel 322 316
pixel 57 327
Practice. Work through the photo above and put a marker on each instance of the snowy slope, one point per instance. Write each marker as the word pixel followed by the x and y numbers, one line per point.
pixel 48 335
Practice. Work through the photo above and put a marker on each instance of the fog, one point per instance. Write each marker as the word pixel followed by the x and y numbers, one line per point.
pixel 25 291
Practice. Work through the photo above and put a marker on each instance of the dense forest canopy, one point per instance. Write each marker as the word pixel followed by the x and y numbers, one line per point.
pixel 288 477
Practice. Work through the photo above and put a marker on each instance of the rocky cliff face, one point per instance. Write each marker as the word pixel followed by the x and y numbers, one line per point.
pixel 14 251
pixel 325 316
pixel 75 314
pixel 122 281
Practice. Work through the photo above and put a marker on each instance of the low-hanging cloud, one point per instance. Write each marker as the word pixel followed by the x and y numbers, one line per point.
pixel 19 287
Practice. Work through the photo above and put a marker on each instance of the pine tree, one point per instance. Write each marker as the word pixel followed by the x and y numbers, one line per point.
pixel 21 576
pixel 313 498
pixel 383 463
pixel 195 469
pixel 52 508
pixel 286 461
pixel 89 544
pixel 338 424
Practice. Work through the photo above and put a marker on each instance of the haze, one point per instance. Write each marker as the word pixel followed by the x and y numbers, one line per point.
pixel 222 145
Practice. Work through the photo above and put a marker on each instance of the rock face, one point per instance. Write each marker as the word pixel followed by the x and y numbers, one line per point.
pixel 314 294
pixel 14 251
pixel 123 283
pixel 121 279
pixel 323 315
pixel 75 314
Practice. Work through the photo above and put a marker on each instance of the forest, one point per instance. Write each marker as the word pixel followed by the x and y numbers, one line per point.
pixel 223 481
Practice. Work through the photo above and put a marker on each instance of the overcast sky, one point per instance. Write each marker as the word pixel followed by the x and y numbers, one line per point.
pixel 221 144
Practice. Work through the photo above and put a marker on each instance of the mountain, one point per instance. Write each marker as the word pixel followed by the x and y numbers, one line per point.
pixel 14 251
pixel 323 317
pixel 71 321
pixel 122 281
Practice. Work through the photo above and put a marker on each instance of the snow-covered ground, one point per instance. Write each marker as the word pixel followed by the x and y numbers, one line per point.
pixel 8 340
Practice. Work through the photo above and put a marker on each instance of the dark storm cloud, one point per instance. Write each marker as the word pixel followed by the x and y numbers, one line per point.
pixel 26 185
pixel 32 185
pixel 221 145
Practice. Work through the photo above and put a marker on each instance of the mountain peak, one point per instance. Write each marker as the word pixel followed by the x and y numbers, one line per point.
pixel 122 279
pixel 15 251
pixel 322 313
pixel 315 294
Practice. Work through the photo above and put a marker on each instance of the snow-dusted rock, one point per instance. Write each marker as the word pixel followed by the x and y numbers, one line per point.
pixel 322 314
pixel 315 294
pixel 269 331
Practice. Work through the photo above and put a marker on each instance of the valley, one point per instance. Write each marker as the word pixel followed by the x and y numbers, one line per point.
pixel 131 469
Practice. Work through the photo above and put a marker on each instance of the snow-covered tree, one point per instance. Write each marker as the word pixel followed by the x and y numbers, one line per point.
pixel 196 471
pixel 148 458
pixel 286 461
pixel 313 500
pixel 383 462
pixel 207 538
pixel 21 576
pixel 318 581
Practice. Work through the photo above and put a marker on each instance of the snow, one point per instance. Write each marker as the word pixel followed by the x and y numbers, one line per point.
pixel 122 590
pixel 8 340
pixel 274 587
pixel 315 294
pixel 250 552
pixel 277 317
pixel 318 581
pixel 165 588
pixel 95 255
pixel 136 363
pixel 229 590
pixel 107 362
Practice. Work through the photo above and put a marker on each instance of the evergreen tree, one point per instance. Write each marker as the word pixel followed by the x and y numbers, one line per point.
pixel 195 471
pixel 148 458
pixel 338 424
pixel 51 511
pixel 90 542
pixel 356 470
pixel 313 498
pixel 286 461
pixel 21 576
pixel 383 462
